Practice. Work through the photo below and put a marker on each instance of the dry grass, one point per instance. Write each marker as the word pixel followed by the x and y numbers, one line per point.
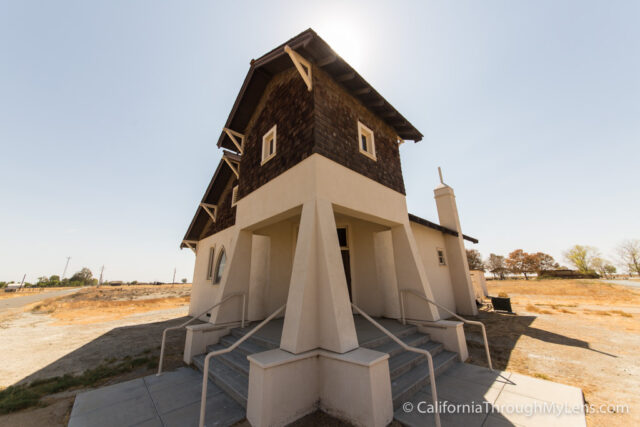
pixel 577 332
pixel 573 291
pixel 94 305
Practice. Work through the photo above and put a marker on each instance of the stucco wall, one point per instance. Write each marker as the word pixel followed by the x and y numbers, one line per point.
pixel 281 246
pixel 366 287
pixel 428 241
pixel 203 292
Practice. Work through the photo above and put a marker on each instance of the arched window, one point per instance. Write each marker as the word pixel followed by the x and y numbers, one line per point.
pixel 222 260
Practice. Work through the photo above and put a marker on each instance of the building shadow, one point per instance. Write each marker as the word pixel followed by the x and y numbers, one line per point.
pixel 504 331
pixel 141 340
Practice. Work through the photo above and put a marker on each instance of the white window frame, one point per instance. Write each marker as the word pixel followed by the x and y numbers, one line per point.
pixel 265 145
pixel 234 196
pixel 442 261
pixel 371 144
pixel 217 266
pixel 211 262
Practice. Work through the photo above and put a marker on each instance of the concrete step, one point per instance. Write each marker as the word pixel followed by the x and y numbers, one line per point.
pixel 416 379
pixel 390 347
pixel 255 339
pixel 407 360
pixel 235 384
pixel 248 347
pixel 235 360
pixel 383 339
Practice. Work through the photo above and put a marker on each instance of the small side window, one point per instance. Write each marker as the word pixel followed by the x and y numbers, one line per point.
pixel 441 258
pixel 212 251
pixel 366 141
pixel 222 260
pixel 234 196
pixel 269 145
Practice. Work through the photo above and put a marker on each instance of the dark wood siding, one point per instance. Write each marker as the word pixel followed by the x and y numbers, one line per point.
pixel 336 117
pixel 288 104
pixel 226 215
pixel 323 121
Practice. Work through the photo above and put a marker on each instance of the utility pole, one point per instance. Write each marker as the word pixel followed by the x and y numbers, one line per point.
pixel 174 276
pixel 65 268
pixel 100 280
pixel 22 283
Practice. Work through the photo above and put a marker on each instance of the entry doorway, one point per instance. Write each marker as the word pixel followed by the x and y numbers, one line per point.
pixel 343 240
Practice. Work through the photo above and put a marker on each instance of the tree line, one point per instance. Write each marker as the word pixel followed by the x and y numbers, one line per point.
pixel 586 260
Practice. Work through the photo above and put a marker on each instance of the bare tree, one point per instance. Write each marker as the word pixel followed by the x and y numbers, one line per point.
pixel 475 260
pixel 629 254
pixel 603 267
pixel 496 265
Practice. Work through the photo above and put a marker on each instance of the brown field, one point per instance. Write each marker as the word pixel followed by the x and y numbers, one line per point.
pixel 97 335
pixel 583 333
pixel 93 305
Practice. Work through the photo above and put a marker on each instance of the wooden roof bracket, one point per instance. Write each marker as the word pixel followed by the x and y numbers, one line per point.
pixel 231 165
pixel 232 134
pixel 190 244
pixel 212 210
pixel 302 65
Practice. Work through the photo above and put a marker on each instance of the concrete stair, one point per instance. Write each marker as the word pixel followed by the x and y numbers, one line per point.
pixel 409 371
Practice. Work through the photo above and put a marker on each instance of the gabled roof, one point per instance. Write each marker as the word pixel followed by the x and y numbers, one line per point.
pixel 211 196
pixel 314 49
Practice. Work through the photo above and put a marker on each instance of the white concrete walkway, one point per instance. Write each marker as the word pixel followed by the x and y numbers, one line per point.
pixel 495 398
pixel 170 400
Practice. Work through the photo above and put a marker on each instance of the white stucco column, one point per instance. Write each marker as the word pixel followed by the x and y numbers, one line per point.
pixel 410 274
pixel 318 311
pixel 456 255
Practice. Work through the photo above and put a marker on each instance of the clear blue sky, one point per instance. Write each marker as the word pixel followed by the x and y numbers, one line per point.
pixel 110 111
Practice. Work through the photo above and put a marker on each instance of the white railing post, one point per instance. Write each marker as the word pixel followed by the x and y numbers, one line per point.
pixel 432 376
pixel 470 322
pixel 164 333
pixel 207 359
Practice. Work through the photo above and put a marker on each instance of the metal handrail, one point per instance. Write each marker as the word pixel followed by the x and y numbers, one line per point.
pixel 205 374
pixel 471 322
pixel 432 377
pixel 164 333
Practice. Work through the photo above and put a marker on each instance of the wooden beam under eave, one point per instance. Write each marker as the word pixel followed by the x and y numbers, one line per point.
pixel 378 103
pixel 326 61
pixel 231 165
pixel 302 65
pixel 346 77
pixel 362 91
pixel 208 209
pixel 232 134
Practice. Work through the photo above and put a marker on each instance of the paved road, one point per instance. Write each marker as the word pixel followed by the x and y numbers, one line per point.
pixel 624 282
pixel 16 302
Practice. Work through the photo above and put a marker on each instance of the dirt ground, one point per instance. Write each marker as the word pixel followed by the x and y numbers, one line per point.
pixel 73 333
pixel 578 332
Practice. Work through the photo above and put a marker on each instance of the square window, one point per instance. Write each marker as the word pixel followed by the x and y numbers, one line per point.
pixel 441 259
pixel 366 142
pixel 269 145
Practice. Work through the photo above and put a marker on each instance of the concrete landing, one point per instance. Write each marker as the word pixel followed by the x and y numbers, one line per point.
pixel 172 399
pixel 495 398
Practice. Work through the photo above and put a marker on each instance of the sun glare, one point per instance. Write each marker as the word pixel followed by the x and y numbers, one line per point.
pixel 345 39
